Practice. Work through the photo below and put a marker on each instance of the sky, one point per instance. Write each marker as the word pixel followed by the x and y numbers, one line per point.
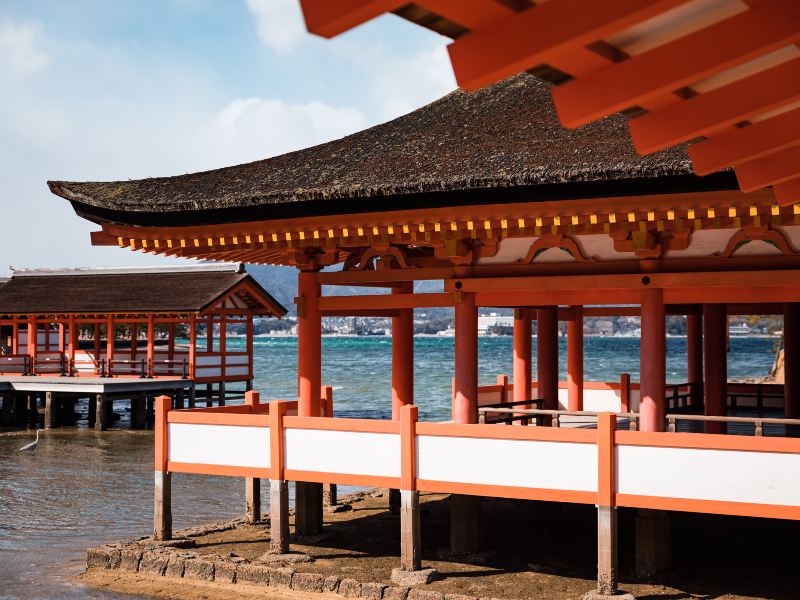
pixel 125 89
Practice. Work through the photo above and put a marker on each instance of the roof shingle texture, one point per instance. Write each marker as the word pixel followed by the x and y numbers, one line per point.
pixel 116 293
pixel 505 135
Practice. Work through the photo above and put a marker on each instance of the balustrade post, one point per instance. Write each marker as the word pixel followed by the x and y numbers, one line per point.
pixel 162 498
pixel 279 488
pixel 252 485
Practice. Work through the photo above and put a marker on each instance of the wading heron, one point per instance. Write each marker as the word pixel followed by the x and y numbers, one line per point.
pixel 33 444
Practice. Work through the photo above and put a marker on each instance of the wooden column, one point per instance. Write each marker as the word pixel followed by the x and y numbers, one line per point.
pixel 162 497
pixel 223 348
pixel 652 360
pixel 402 370
pixel 252 485
pixel 791 360
pixel 192 349
pixel 694 356
pixel 250 351
pixel 522 364
pixel 33 337
pixel 171 345
pixel 103 412
pixel 716 364
pixel 73 344
pixel 575 359
pixel 465 510
pixel 138 415
pixel 97 347
pixel 61 338
pixel 547 357
pixel 410 531
pixel 51 412
pixel 151 344
pixel 308 496
pixel 15 338
pixel 607 560
pixel 134 342
pixel 109 346
pixel 279 488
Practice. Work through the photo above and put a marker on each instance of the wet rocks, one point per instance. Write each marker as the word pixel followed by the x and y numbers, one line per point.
pixel 103 557
pixel 198 568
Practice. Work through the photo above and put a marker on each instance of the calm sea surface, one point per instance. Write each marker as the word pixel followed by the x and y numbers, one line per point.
pixel 81 488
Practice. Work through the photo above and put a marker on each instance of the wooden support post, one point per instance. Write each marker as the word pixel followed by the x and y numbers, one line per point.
pixel 209 395
pixel 7 412
pixel 149 406
pixel 134 342
pixel 694 356
pixel 522 364
pixel 464 526
pixel 308 496
pixel 138 416
pixel 547 358
pixel 97 347
pixel 24 409
pixel 162 497
pixel 653 360
pixel 192 392
pixel 402 369
pixel 575 360
pixel 329 490
pixel 252 487
pixel 716 365
pixel 652 533
pixel 151 344
pixel 279 489
pixel 192 350
pixel 791 360
pixel 249 342
pixel 104 412
pixel 92 412
pixel 179 402
pixel 51 412
pixel 110 346
pixel 33 339
pixel 221 399
pixel 410 531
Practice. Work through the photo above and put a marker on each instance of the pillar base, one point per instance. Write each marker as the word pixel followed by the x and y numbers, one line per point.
pixel 464 524
pixel 652 543
pixel 252 494
pixel 595 595
pixel 162 509
pixel 279 516
pixel 408 578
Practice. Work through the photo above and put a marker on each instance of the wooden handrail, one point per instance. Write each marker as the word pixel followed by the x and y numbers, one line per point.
pixel 521 413
pixel 757 422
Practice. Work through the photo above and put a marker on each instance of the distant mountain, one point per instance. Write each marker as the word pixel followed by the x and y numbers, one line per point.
pixel 281 282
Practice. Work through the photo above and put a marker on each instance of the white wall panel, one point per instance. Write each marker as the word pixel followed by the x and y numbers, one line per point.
pixel 231 445
pixel 516 463
pixel 728 475
pixel 359 453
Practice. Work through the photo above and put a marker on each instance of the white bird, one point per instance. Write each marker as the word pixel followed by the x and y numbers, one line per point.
pixel 33 444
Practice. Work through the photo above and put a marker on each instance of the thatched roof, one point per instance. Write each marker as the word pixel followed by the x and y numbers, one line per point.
pixel 503 137
pixel 129 291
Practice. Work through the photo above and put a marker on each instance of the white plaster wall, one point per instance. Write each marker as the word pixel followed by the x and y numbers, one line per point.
pixel 229 445
pixel 351 452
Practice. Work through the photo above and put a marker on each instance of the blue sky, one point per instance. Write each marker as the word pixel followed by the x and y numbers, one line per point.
pixel 119 89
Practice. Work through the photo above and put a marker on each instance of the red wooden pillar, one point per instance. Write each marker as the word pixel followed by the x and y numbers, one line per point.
pixel 791 360
pixel 151 344
pixel 73 344
pixel 250 351
pixel 15 338
pixel 575 359
pixel 97 347
pixel 694 355
pixel 523 361
pixel 465 408
pixel 547 356
pixel 308 512
pixel 465 510
pixel 109 345
pixel 192 345
pixel 171 342
pixel 33 342
pixel 716 364
pixel 653 360
pixel 402 355
pixel 61 337
pixel 134 344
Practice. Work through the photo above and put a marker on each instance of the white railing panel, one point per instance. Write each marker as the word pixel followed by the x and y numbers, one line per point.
pixel 225 445
pixel 349 452
pixel 513 463
pixel 707 474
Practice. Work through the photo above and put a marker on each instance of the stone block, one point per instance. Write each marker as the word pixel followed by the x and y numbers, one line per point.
pixel 103 557
pixel 130 558
pixel 249 573
pixel 198 568
pixel 154 563
pixel 416 594
pixel 408 578
pixel 595 595
pixel 331 584
pixel 372 590
pixel 459 597
pixel 175 566
pixel 281 577
pixel 225 571
pixel 395 593
pixel 349 588
pixel 308 582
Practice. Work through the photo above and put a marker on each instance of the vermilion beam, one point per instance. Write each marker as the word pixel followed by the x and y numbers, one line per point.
pixel 718 108
pixel 774 168
pixel 787 192
pixel 769 26
pixel 534 36
pixel 383 302
pixel 329 18
pixel 746 143
pixel 474 14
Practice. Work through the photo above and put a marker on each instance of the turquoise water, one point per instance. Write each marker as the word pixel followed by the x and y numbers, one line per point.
pixel 359 368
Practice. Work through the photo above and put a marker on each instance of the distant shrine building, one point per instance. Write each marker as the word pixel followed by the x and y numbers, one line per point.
pixel 89 325
pixel 489 193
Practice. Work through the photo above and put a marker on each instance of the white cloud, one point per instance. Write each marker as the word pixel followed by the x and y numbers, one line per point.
pixel 253 128
pixel 20 55
pixel 279 23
